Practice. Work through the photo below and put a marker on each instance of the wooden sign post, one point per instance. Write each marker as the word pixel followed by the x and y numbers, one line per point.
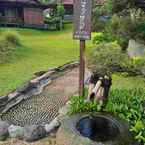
pixel 82 31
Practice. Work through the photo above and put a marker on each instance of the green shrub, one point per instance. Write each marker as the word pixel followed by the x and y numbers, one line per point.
pixel 102 38
pixel 117 30
pixel 97 23
pixel 5 51
pixel 60 10
pixel 8 42
pixel 12 37
pixel 121 29
pixel 124 28
pixel 107 37
pixel 52 20
pixel 128 105
pixel 79 104
pixel 108 58
pixel 140 29
pixel 133 66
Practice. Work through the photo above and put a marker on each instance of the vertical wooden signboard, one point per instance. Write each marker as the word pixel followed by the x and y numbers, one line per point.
pixel 82 31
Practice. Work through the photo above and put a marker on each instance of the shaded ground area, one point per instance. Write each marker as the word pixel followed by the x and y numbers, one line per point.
pixel 43 108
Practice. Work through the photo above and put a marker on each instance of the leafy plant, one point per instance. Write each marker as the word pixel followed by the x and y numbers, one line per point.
pixel 60 13
pixel 128 105
pixel 60 10
pixel 108 58
pixel 79 104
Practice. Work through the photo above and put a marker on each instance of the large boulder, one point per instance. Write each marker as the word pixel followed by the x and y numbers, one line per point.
pixel 3 130
pixel 135 48
pixel 34 133
pixel 16 131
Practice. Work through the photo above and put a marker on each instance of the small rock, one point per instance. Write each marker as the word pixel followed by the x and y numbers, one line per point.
pixel 144 106
pixel 52 125
pixel 13 95
pixel 40 73
pixel 143 72
pixel 64 110
pixel 135 48
pixel 34 133
pixel 3 130
pixel 16 131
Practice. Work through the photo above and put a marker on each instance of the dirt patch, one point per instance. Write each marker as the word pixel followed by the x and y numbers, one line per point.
pixel 46 141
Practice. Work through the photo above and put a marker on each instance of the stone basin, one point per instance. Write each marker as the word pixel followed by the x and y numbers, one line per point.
pixel 93 129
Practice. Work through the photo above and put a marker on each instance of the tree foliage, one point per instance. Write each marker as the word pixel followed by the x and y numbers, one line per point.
pixel 60 10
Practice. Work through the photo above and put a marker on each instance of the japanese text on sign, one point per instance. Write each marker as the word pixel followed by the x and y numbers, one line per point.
pixel 82 19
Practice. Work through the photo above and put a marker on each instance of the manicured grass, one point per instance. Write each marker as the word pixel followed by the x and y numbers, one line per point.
pixel 40 50
pixel 121 81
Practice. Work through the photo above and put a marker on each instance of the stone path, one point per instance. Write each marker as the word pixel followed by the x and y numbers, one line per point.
pixel 44 107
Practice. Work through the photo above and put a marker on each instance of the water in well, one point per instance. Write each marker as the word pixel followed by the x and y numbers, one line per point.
pixel 98 128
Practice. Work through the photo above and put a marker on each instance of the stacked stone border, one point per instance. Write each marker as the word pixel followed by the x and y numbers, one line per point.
pixel 33 87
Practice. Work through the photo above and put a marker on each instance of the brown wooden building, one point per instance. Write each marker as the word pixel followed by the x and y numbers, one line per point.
pixel 68 4
pixel 27 13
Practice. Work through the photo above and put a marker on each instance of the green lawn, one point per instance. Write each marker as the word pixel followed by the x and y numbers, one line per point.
pixel 127 82
pixel 41 50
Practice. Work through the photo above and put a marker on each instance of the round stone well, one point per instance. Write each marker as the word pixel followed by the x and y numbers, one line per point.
pixel 93 129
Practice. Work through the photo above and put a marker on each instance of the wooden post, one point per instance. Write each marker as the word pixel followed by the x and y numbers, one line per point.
pixel 82 68
pixel 82 32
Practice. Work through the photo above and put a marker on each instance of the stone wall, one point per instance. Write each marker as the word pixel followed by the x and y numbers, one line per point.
pixel 33 87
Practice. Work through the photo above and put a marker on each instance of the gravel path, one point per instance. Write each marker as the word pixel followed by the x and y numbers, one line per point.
pixel 44 107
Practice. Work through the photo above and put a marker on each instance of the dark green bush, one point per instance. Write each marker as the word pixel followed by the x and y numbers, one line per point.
pixel 108 58
pixel 105 58
pixel 140 30
pixel 121 29
pixel 60 10
pixel 97 23
pixel 116 29
pixel 52 20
